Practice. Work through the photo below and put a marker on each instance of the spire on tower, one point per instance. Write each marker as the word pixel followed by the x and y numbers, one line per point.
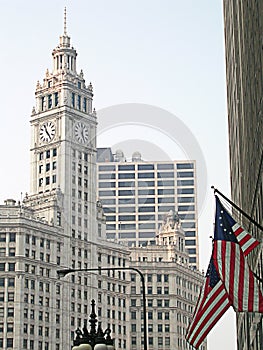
pixel 64 38
pixel 65 21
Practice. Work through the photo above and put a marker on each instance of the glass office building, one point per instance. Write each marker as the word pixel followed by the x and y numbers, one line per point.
pixel 136 195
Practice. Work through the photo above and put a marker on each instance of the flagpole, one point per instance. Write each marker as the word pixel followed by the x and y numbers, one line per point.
pixel 238 208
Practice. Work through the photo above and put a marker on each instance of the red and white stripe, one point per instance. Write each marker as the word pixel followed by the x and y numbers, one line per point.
pixel 245 240
pixel 241 285
pixel 212 304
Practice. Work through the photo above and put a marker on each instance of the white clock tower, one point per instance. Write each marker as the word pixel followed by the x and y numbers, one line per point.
pixel 63 144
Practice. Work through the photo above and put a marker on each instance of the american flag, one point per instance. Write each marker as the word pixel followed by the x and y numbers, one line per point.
pixel 231 246
pixel 229 280
pixel 212 304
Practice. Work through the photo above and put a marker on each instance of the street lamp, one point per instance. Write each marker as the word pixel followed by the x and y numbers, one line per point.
pixel 93 339
pixel 63 273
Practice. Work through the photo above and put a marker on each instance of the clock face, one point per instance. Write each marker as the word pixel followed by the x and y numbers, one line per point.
pixel 47 132
pixel 81 133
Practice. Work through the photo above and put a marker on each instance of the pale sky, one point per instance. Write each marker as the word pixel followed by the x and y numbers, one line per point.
pixel 165 54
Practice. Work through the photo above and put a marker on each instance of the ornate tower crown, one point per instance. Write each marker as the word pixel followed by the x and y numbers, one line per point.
pixel 64 56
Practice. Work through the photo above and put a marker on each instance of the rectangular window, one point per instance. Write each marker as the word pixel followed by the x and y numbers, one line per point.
pixel 127 217
pixel 85 104
pixel 165 166
pixel 106 184
pixel 145 166
pixel 11 266
pixel 187 216
pixel 79 102
pixel 186 208
pixel 56 99
pixel 150 302
pixel 107 193
pixel 126 176
pixel 147 192
pixel 185 183
pixel 166 200
pixel 42 103
pixel 146 209
pixel 165 208
pixel 73 99
pixel 145 175
pixel 127 209
pixel 59 218
pixel 126 167
pixel 164 191
pixel 111 227
pixel 187 225
pixel 10 312
pixel 12 237
pixel 190 234
pixel 9 343
pixel 49 101
pixel 147 225
pixel 160 341
pixel 167 183
pixel 167 341
pixel 149 277
pixel 185 191
pixel 144 200
pixel 185 199
pixel 185 166
pixel 165 174
pixel 166 316
pixel 11 296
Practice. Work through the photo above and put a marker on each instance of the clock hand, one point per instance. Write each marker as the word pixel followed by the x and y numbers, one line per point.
pixel 82 134
pixel 47 131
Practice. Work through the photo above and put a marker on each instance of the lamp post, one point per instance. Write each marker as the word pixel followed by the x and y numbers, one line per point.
pixel 95 338
pixel 63 273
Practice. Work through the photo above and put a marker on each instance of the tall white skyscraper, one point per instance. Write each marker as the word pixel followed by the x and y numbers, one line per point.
pixel 59 223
